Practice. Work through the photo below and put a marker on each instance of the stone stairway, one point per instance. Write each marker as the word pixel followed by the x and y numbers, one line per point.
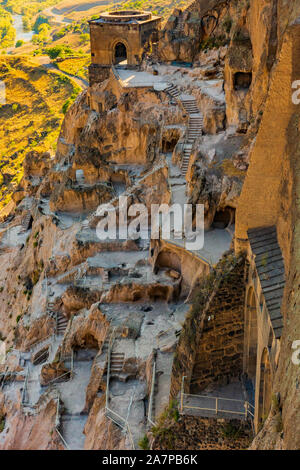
pixel 194 131
pixel 26 222
pixel 62 323
pixel 118 420
pixel 179 28
pixel 195 126
pixel 172 90
pixel 116 363
pixel 50 309
pixel 105 277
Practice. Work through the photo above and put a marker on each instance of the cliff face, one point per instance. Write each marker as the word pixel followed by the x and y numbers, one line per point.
pixel 67 297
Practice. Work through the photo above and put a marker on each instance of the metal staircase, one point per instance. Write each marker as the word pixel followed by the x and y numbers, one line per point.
pixel 61 324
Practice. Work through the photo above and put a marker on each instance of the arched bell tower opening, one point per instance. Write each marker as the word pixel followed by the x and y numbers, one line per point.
pixel 120 37
pixel 120 54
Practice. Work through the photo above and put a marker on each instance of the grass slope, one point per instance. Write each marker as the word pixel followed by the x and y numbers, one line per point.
pixel 31 117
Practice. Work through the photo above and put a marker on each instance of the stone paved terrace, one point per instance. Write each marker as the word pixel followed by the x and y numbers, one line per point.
pixel 216 243
pixel 133 78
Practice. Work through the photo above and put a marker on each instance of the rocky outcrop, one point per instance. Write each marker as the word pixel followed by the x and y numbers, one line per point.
pixel 100 432
pixel 201 22
pixel 35 432
pixel 54 372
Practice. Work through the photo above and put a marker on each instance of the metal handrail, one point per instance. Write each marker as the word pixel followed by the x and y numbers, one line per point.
pixel 213 397
pixel 62 439
pixel 25 387
pixel 57 378
pixel 47 351
pixel 31 346
pixel 111 341
pixel 193 253
pixel 125 427
pixel 216 409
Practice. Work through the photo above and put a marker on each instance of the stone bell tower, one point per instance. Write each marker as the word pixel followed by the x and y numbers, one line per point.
pixel 120 38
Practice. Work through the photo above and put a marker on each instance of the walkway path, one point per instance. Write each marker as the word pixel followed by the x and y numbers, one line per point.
pixel 223 402
pixel 55 17
pixel 45 61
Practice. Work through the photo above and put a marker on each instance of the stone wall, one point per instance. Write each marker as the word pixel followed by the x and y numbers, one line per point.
pixel 98 73
pixel 219 355
pixel 214 327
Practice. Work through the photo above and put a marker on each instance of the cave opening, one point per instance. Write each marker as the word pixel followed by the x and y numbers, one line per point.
pixel 224 218
pixel 242 80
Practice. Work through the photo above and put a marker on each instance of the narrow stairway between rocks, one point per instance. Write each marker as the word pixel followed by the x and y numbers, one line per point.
pixel 195 125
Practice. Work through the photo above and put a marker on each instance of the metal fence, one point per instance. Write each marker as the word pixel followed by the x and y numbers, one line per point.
pixel 210 406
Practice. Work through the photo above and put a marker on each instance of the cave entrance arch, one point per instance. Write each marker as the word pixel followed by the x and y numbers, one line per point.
pixel 120 54
pixel 224 218
pixel 168 259
pixel 242 80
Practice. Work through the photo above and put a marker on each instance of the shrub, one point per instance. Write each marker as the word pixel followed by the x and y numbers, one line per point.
pixel 41 19
pixel 20 43
pixel 2 424
pixel 84 38
pixel 59 51
pixel 144 443
pixel 229 430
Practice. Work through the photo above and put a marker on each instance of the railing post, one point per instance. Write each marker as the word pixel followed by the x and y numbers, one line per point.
pixel 72 362
pixel 246 409
pixel 150 406
pixel 216 406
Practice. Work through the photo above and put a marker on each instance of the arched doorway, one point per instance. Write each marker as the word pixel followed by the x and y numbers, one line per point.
pixel 168 259
pixel 224 218
pixel 265 387
pixel 120 54
pixel 251 330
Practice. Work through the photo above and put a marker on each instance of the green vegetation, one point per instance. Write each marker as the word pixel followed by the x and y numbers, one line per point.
pixel 164 8
pixel 60 51
pixel 2 424
pixel 41 19
pixel 231 431
pixel 144 443
pixel 214 42
pixel 43 35
pixel 77 66
pixel 19 43
pixel 29 9
pixel 7 31
pixel 31 118
pixel 163 430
